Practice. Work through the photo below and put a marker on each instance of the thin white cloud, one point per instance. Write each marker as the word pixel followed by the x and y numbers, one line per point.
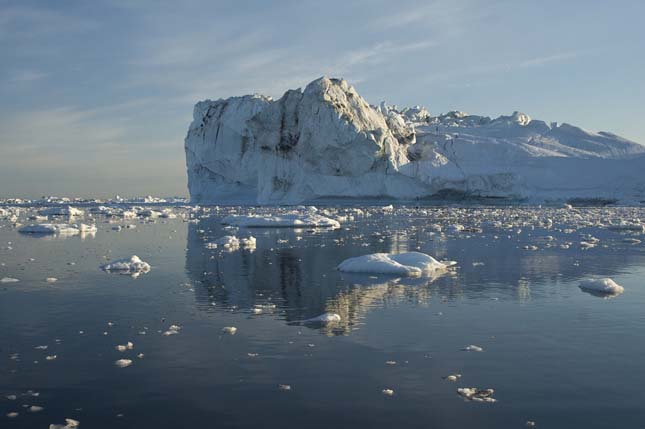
pixel 540 61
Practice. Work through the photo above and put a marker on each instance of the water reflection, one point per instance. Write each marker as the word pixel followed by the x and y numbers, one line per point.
pixel 294 271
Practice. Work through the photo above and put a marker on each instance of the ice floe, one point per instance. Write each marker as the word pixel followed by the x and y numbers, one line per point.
pixel 293 220
pixel 122 363
pixel 58 228
pixel 478 395
pixel 605 286
pixel 69 424
pixel 413 264
pixel 132 265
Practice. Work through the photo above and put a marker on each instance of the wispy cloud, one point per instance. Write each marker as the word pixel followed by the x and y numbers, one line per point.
pixel 540 61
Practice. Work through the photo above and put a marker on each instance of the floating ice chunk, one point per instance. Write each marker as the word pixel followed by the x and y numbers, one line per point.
pixel 124 347
pixel 387 392
pixel 58 228
pixel 69 424
pixel 13 414
pixel 51 279
pixel 35 409
pixel 11 397
pixel 231 330
pixel 473 348
pixel 627 226
pixel 61 211
pixel 604 286
pixel 325 318
pixel 412 264
pixel 294 220
pixel 284 387
pixel 229 242
pixel 474 394
pixel 52 357
pixel 631 240
pixel 129 265
pixel 248 242
pixel 122 363
pixel 8 280
pixel 453 377
pixel 172 330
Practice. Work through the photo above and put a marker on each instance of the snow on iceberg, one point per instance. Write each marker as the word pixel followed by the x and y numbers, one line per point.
pixel 601 287
pixel 132 265
pixel 411 264
pixel 327 141
pixel 282 221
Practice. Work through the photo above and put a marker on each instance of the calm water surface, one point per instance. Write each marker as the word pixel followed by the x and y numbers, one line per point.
pixel 554 354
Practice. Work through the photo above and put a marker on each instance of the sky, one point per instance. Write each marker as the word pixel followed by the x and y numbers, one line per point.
pixel 96 96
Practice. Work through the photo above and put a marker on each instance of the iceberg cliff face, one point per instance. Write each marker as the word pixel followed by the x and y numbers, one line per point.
pixel 327 141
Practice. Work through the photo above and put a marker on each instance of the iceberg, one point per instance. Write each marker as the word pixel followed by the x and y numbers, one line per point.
pixel 326 141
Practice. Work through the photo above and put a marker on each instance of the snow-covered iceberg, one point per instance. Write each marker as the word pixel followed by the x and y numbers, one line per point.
pixel 327 141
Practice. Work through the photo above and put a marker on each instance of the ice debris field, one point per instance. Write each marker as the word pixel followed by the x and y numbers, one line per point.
pixel 314 273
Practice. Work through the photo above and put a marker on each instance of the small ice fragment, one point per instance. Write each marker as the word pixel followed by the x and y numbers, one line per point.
pixel 12 414
pixel 530 424
pixel 140 355
pixel 41 347
pixel 122 363
pixel 35 409
pixel 248 243
pixel 478 395
pixel 11 397
pixel 51 357
pixel 172 330
pixel 51 279
pixel 69 424
pixel 473 348
pixel 8 280
pixel 284 387
pixel 229 330
pixel 390 362
pixel 325 318
pixel 121 348
pixel 453 377
pixel 387 392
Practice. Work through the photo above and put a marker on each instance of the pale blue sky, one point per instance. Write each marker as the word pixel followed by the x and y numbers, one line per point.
pixel 96 96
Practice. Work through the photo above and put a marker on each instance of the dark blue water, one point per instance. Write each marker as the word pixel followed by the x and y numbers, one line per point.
pixel 554 354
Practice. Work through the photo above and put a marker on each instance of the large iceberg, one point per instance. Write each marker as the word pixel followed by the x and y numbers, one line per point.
pixel 328 142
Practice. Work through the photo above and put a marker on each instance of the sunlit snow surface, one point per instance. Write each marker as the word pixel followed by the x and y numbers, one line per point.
pixel 274 335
